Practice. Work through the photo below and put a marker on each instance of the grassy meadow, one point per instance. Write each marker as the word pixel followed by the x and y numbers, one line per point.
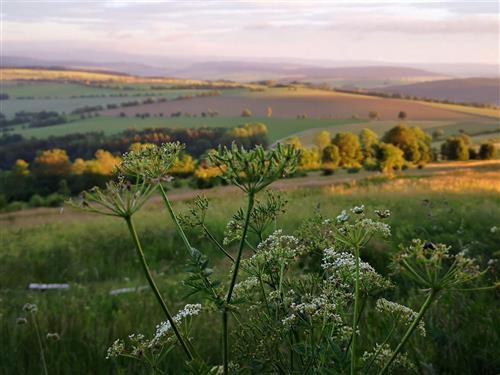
pixel 95 255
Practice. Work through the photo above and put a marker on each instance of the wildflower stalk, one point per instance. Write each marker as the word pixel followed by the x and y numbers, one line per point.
pixel 217 243
pixel 40 344
pixel 355 315
pixel 225 343
pixel 428 301
pixel 174 217
pixel 154 288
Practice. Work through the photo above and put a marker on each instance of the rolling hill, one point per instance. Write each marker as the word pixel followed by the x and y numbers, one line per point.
pixel 466 90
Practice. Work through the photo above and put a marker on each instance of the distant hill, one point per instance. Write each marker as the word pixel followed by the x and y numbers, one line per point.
pixel 248 71
pixel 466 90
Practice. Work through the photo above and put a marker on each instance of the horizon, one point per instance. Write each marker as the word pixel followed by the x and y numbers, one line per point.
pixel 151 32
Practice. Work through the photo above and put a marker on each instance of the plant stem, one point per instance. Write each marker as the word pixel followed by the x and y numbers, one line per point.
pixel 217 243
pixel 174 218
pixel 355 316
pixel 225 341
pixel 428 301
pixel 40 345
pixel 154 288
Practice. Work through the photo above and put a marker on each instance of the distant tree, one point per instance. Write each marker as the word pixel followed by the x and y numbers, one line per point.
pixel 402 115
pixel 414 143
pixel 487 151
pixel 455 148
pixel 349 149
pixel 389 157
pixel 373 115
pixel 473 155
pixel 54 162
pixel 309 159
pixel 246 113
pixel 330 158
pixel 20 168
pixel 437 134
pixel 269 112
pixel 368 140
pixel 322 139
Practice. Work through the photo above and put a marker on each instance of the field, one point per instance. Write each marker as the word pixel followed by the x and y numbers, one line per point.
pixel 65 91
pixel 94 255
pixel 290 104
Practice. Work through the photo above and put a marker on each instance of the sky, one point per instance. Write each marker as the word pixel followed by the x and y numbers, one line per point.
pixel 392 31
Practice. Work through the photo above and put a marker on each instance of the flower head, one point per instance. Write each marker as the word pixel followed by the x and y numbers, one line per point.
pixel 119 198
pixel 253 170
pixel 152 162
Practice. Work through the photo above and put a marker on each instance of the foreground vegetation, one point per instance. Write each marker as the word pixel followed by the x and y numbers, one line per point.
pixel 96 257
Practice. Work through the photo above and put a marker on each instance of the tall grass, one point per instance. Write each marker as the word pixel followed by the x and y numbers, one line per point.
pixel 97 256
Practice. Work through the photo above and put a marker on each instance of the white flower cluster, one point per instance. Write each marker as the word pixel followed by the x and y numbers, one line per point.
pixel 333 260
pixel 343 217
pixel 400 313
pixel 289 320
pixel 233 232
pixel 245 287
pixel 358 210
pixel 318 306
pixel 341 269
pixel 383 214
pixel 384 353
pixel 116 349
pixel 163 328
pixel 278 248
pixel 376 227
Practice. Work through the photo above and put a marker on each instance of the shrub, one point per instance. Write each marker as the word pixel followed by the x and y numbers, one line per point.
pixel 487 151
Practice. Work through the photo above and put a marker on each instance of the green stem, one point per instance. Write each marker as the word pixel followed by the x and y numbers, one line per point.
pixel 375 355
pixel 225 341
pixel 174 218
pixel 40 345
pixel 217 243
pixel 152 284
pixel 355 315
pixel 428 301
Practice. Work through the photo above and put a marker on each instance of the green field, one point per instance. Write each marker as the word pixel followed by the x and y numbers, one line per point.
pixel 278 128
pixel 95 255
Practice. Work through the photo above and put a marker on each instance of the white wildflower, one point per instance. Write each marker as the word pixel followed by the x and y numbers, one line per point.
pixel 358 209
pixel 343 217
pixel 494 229
pixel 400 313
pixel 116 349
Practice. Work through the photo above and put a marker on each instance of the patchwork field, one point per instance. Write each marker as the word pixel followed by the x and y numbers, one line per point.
pixel 295 103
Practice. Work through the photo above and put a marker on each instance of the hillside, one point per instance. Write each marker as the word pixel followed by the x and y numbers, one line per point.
pixel 467 90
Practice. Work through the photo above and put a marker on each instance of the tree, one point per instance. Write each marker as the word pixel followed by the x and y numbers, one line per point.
pixel 309 159
pixel 487 151
pixel 54 162
pixel 322 139
pixel 389 157
pixel 373 115
pixel 402 115
pixel 368 140
pixel 349 149
pixel 437 134
pixel 414 143
pixel 330 158
pixel 20 168
pixel 269 112
pixel 455 148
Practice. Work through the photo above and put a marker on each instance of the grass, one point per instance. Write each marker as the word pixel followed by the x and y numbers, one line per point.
pixel 96 256
pixel 65 90
pixel 278 128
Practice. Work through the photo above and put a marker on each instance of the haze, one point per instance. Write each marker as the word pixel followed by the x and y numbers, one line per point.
pixel 423 32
